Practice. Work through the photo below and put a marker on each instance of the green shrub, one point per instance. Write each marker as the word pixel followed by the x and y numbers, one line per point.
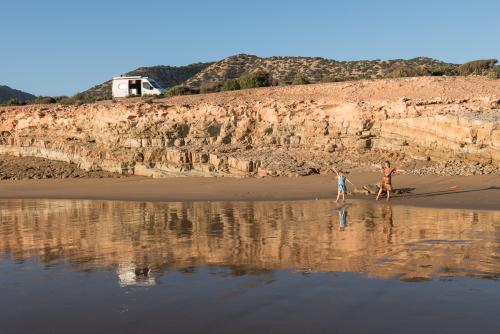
pixel 80 98
pixel 44 100
pixel 333 78
pixel 210 88
pixel 66 100
pixel 59 98
pixel 15 102
pixel 401 71
pixel 479 67
pixel 77 99
pixel 448 70
pixel 494 73
pixel 181 90
pixel 256 79
pixel 231 84
pixel 299 79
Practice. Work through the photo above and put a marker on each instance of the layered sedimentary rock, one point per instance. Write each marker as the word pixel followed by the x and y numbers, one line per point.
pixel 274 131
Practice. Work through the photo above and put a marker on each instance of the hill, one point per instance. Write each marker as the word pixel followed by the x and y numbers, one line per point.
pixel 7 93
pixel 247 71
pixel 284 70
pixel 166 76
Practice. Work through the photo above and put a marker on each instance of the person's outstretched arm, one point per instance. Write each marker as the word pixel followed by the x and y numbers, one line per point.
pixel 349 181
pixel 335 170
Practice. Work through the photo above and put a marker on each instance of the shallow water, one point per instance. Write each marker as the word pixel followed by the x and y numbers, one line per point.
pixel 246 267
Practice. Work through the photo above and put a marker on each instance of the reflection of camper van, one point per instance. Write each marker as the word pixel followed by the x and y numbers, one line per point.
pixel 137 85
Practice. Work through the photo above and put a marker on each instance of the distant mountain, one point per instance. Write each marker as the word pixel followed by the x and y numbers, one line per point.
pixel 284 70
pixel 7 93
pixel 166 76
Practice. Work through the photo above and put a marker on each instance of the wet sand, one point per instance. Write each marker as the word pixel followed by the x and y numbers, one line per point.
pixel 466 192
pixel 246 267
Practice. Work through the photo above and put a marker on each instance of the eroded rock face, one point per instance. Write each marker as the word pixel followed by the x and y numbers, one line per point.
pixel 276 131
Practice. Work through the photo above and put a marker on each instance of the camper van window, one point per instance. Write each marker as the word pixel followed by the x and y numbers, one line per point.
pixel 154 84
pixel 146 85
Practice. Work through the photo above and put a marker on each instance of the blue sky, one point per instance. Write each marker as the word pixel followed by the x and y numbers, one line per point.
pixel 55 47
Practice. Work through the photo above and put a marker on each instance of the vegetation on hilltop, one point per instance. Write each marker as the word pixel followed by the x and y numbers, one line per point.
pixel 260 78
pixel 240 71
pixel 236 72
pixel 478 67
pixel 295 70
pixel 248 71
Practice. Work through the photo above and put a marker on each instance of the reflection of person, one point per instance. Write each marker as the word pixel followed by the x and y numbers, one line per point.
pixel 386 183
pixel 387 221
pixel 342 187
pixel 342 217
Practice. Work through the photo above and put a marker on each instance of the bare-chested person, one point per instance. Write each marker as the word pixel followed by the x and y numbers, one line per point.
pixel 386 183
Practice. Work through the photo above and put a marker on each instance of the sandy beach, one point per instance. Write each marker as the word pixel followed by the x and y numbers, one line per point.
pixel 462 192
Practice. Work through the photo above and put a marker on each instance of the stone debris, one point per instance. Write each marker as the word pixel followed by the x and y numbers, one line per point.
pixel 373 189
pixel 369 189
pixel 457 168
pixel 20 168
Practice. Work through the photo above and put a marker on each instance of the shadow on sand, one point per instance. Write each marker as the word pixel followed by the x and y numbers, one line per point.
pixel 406 192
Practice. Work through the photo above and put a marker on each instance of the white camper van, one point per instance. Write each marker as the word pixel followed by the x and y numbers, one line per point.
pixel 137 85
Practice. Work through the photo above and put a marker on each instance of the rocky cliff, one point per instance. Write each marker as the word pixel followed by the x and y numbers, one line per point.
pixel 428 124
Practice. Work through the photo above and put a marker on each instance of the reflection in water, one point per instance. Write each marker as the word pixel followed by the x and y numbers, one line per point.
pixel 342 216
pixel 141 240
pixel 128 274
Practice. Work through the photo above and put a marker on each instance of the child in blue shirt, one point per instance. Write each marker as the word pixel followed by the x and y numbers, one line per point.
pixel 342 187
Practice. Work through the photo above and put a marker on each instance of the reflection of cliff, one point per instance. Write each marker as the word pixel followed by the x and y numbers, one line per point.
pixel 140 239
